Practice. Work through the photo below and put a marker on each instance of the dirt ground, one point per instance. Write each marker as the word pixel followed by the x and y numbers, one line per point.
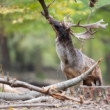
pixel 58 105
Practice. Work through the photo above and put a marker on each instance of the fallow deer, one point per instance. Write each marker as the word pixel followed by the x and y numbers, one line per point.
pixel 73 61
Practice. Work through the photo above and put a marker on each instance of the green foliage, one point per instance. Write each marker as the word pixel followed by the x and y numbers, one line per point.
pixel 0 90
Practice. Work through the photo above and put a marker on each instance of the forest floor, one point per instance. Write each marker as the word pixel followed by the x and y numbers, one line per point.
pixel 53 104
pixel 89 103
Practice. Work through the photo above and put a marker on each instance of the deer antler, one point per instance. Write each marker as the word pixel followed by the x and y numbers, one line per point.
pixel 88 33
pixel 83 35
pixel 91 26
pixel 66 21
pixel 88 27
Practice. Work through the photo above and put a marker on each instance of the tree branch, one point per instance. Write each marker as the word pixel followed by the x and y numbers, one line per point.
pixel 46 13
pixel 18 96
pixel 39 99
pixel 30 105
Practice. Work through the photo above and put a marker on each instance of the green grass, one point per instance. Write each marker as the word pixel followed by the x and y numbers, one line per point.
pixel 40 76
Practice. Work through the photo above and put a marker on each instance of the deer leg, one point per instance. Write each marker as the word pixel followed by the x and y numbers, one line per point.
pixel 69 73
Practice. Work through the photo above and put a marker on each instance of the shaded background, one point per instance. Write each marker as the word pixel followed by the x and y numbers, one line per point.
pixel 27 41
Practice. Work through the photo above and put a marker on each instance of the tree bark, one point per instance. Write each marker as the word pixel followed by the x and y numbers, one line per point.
pixel 32 105
pixel 5 60
pixel 107 74
pixel 107 60
pixel 4 52
pixel 19 96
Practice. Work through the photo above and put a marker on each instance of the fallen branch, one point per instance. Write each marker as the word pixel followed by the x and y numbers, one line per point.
pixel 48 90
pixel 18 96
pixel 31 105
pixel 39 99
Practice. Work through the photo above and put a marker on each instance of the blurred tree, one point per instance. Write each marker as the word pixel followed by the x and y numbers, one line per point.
pixel 106 41
pixel 4 47
pixel 105 38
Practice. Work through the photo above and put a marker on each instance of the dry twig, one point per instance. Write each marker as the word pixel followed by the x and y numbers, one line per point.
pixel 30 105
pixel 18 96
pixel 2 86
pixel 39 99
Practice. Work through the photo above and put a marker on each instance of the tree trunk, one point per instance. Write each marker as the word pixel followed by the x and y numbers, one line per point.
pixel 107 74
pixel 107 60
pixel 4 51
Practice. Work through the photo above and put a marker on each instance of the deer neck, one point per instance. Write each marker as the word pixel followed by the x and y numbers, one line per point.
pixel 63 40
pixel 65 45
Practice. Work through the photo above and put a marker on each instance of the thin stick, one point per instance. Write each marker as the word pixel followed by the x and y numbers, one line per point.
pixel 98 87
pixel 2 71
pixel 50 3
pixel 30 105
pixel 39 99
pixel 2 77
pixel 8 76
pixel 89 17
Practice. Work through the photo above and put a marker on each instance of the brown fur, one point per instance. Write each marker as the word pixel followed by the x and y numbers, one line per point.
pixel 95 77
